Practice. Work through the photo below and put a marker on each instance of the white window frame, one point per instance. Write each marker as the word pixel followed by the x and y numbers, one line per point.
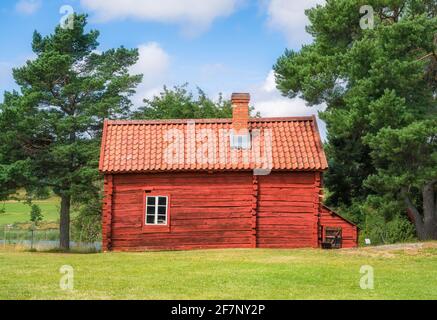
pixel 156 205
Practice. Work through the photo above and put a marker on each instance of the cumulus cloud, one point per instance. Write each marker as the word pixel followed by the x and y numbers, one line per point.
pixel 270 103
pixel 194 16
pixel 154 64
pixel 28 7
pixel 288 17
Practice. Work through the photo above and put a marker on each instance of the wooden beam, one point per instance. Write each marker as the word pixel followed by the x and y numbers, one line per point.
pixel 107 213
pixel 254 211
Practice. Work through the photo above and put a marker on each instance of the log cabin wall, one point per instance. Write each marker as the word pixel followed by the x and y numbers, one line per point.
pixel 288 210
pixel 206 211
pixel 219 210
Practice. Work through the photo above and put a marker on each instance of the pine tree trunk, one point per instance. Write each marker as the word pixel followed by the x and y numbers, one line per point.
pixel 64 225
pixel 426 223
pixel 429 212
pixel 414 215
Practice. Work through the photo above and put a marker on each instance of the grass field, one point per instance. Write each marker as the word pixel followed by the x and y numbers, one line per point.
pixel 16 211
pixel 223 274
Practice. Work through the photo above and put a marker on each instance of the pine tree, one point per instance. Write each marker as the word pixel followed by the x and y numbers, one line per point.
pixel 380 88
pixel 53 127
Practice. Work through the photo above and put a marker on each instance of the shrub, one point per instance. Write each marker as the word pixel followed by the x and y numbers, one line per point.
pixel 385 221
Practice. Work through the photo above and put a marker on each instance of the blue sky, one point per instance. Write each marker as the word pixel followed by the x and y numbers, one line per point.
pixel 219 45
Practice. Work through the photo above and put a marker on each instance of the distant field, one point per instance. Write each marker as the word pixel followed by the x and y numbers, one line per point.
pixel 20 212
pixel 223 274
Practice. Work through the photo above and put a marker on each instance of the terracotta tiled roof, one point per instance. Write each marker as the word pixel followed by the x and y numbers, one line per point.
pixel 147 146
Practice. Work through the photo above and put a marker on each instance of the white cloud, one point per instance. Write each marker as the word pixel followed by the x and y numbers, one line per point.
pixel 269 85
pixel 270 103
pixel 152 60
pixel 28 7
pixel 153 63
pixel 288 17
pixel 195 16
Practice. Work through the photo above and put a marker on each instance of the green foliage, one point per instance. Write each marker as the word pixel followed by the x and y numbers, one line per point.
pixel 382 232
pixel 384 221
pixel 87 224
pixel 405 156
pixel 35 214
pixel 380 88
pixel 381 219
pixel 179 103
pixel 14 165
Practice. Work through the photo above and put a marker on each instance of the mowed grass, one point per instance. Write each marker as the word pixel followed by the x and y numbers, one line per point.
pixel 222 274
pixel 19 211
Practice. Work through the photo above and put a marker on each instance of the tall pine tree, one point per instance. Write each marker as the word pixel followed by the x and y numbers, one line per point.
pixel 53 126
pixel 380 86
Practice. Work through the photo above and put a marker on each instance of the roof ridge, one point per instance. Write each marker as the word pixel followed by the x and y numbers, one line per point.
pixel 212 120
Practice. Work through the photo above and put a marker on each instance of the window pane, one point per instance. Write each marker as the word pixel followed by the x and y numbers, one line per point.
pixel 162 201
pixel 240 142
pixel 150 219
pixel 162 210
pixel 150 210
pixel 151 201
pixel 162 219
pixel 246 142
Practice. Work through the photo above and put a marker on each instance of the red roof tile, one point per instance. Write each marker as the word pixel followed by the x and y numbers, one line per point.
pixel 182 145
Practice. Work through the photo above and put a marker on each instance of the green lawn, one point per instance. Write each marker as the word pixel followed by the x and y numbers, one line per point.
pixel 222 274
pixel 19 211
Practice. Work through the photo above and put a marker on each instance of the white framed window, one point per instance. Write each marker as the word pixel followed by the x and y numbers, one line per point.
pixel 156 210
pixel 240 141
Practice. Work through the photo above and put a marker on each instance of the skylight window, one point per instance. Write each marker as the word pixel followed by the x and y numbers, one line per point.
pixel 240 141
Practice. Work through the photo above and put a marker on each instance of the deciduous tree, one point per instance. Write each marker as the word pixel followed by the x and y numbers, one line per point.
pixel 179 103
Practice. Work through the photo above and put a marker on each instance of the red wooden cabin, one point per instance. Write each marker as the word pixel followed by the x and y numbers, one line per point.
pixel 217 183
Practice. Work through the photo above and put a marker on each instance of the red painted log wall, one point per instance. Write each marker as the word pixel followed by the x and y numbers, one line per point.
pixel 349 231
pixel 206 211
pixel 287 210
pixel 219 210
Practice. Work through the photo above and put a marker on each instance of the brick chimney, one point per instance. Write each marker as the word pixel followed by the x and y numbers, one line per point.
pixel 240 112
